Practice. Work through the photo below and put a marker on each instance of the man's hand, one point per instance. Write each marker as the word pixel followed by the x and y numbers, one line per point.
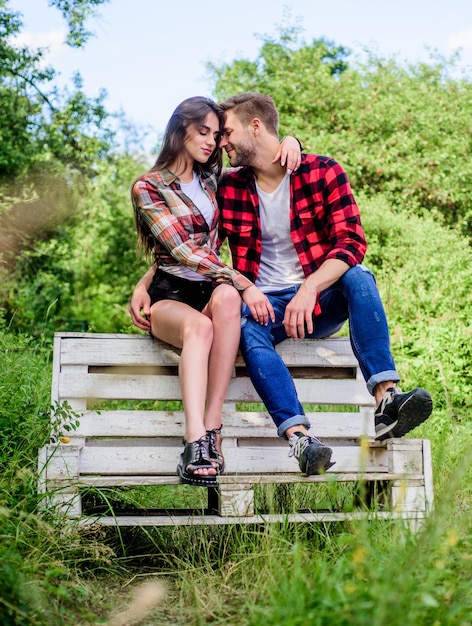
pixel 301 308
pixel 299 312
pixel 259 305
pixel 140 308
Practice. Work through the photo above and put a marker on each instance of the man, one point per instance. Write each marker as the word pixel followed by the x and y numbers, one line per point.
pixel 299 239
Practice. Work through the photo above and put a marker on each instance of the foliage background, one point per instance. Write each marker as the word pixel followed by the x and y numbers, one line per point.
pixel 68 261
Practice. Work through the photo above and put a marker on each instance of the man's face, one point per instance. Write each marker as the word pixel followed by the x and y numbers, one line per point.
pixel 238 141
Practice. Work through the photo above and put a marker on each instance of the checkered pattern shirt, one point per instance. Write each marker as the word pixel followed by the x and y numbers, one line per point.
pixel 177 230
pixel 324 217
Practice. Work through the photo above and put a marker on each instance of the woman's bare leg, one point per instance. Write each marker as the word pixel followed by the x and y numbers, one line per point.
pixel 224 310
pixel 184 327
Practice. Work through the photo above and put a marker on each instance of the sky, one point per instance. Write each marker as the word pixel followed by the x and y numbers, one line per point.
pixel 149 55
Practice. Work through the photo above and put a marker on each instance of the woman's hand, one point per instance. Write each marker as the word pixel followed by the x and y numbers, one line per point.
pixel 289 152
pixel 259 305
pixel 140 308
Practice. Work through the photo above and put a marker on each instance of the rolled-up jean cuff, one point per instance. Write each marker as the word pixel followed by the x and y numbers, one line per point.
pixel 381 377
pixel 296 420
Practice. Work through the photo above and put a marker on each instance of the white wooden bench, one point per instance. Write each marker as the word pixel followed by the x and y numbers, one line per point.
pixel 120 447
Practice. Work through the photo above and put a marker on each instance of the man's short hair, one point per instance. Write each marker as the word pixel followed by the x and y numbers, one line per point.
pixel 249 105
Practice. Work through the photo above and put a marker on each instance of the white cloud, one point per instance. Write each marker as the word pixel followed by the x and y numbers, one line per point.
pixel 461 39
pixel 52 42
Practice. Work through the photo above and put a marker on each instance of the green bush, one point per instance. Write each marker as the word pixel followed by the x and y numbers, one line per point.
pixel 80 277
pixel 422 270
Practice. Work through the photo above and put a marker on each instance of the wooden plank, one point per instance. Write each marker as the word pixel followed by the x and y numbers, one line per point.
pixel 56 368
pixel 236 500
pixel 42 462
pixel 118 480
pixel 113 349
pixel 63 461
pixel 241 460
pixel 119 387
pixel 136 387
pixel 213 520
pixel 276 460
pixel 428 475
pixel 332 392
pixel 64 501
pixel 135 423
pixel 406 497
pixel 405 455
pixel 333 351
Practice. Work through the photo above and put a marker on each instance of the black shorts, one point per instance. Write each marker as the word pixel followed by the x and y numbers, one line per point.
pixel 165 286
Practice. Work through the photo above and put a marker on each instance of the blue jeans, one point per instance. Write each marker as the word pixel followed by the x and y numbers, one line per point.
pixel 353 297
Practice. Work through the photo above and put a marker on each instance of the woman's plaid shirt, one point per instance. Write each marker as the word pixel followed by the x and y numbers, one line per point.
pixel 324 217
pixel 178 230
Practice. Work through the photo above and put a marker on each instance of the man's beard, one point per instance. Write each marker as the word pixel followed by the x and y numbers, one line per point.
pixel 242 155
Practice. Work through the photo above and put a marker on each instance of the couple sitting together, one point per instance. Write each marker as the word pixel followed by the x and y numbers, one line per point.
pixel 297 246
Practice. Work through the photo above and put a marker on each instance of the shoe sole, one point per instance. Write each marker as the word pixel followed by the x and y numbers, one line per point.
pixel 197 481
pixel 386 429
pixel 320 461
pixel 411 414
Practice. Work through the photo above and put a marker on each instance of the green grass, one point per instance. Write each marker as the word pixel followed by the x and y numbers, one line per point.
pixel 353 573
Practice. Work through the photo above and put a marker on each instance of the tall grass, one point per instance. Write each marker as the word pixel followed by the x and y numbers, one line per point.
pixel 360 573
pixel 41 567
pixel 355 573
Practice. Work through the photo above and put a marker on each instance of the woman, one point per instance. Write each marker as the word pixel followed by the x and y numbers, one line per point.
pixel 190 298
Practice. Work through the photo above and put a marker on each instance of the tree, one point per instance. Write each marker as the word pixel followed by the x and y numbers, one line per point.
pixel 403 131
pixel 76 13
pixel 37 122
pixel 50 140
pixel 20 97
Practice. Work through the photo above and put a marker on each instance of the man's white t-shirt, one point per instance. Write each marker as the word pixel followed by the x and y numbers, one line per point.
pixel 280 266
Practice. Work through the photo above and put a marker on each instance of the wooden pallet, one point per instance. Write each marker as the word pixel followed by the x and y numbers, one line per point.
pixel 136 445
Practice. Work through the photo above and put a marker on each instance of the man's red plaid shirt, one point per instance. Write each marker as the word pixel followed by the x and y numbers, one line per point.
pixel 324 217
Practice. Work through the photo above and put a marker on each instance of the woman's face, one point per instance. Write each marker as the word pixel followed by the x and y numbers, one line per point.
pixel 202 139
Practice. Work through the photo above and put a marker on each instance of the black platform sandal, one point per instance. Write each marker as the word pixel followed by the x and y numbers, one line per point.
pixel 214 451
pixel 196 456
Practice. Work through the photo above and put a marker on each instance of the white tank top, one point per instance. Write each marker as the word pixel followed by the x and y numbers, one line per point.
pixel 195 192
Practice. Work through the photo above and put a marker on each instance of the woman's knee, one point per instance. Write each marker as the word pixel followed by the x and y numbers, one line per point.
pixel 198 327
pixel 226 302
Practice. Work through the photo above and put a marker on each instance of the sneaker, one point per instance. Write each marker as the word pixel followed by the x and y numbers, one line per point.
pixel 398 412
pixel 313 457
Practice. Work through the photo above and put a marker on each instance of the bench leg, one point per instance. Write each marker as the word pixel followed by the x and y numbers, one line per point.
pixel 411 496
pixel 58 468
pixel 65 501
pixel 213 501
pixel 236 500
